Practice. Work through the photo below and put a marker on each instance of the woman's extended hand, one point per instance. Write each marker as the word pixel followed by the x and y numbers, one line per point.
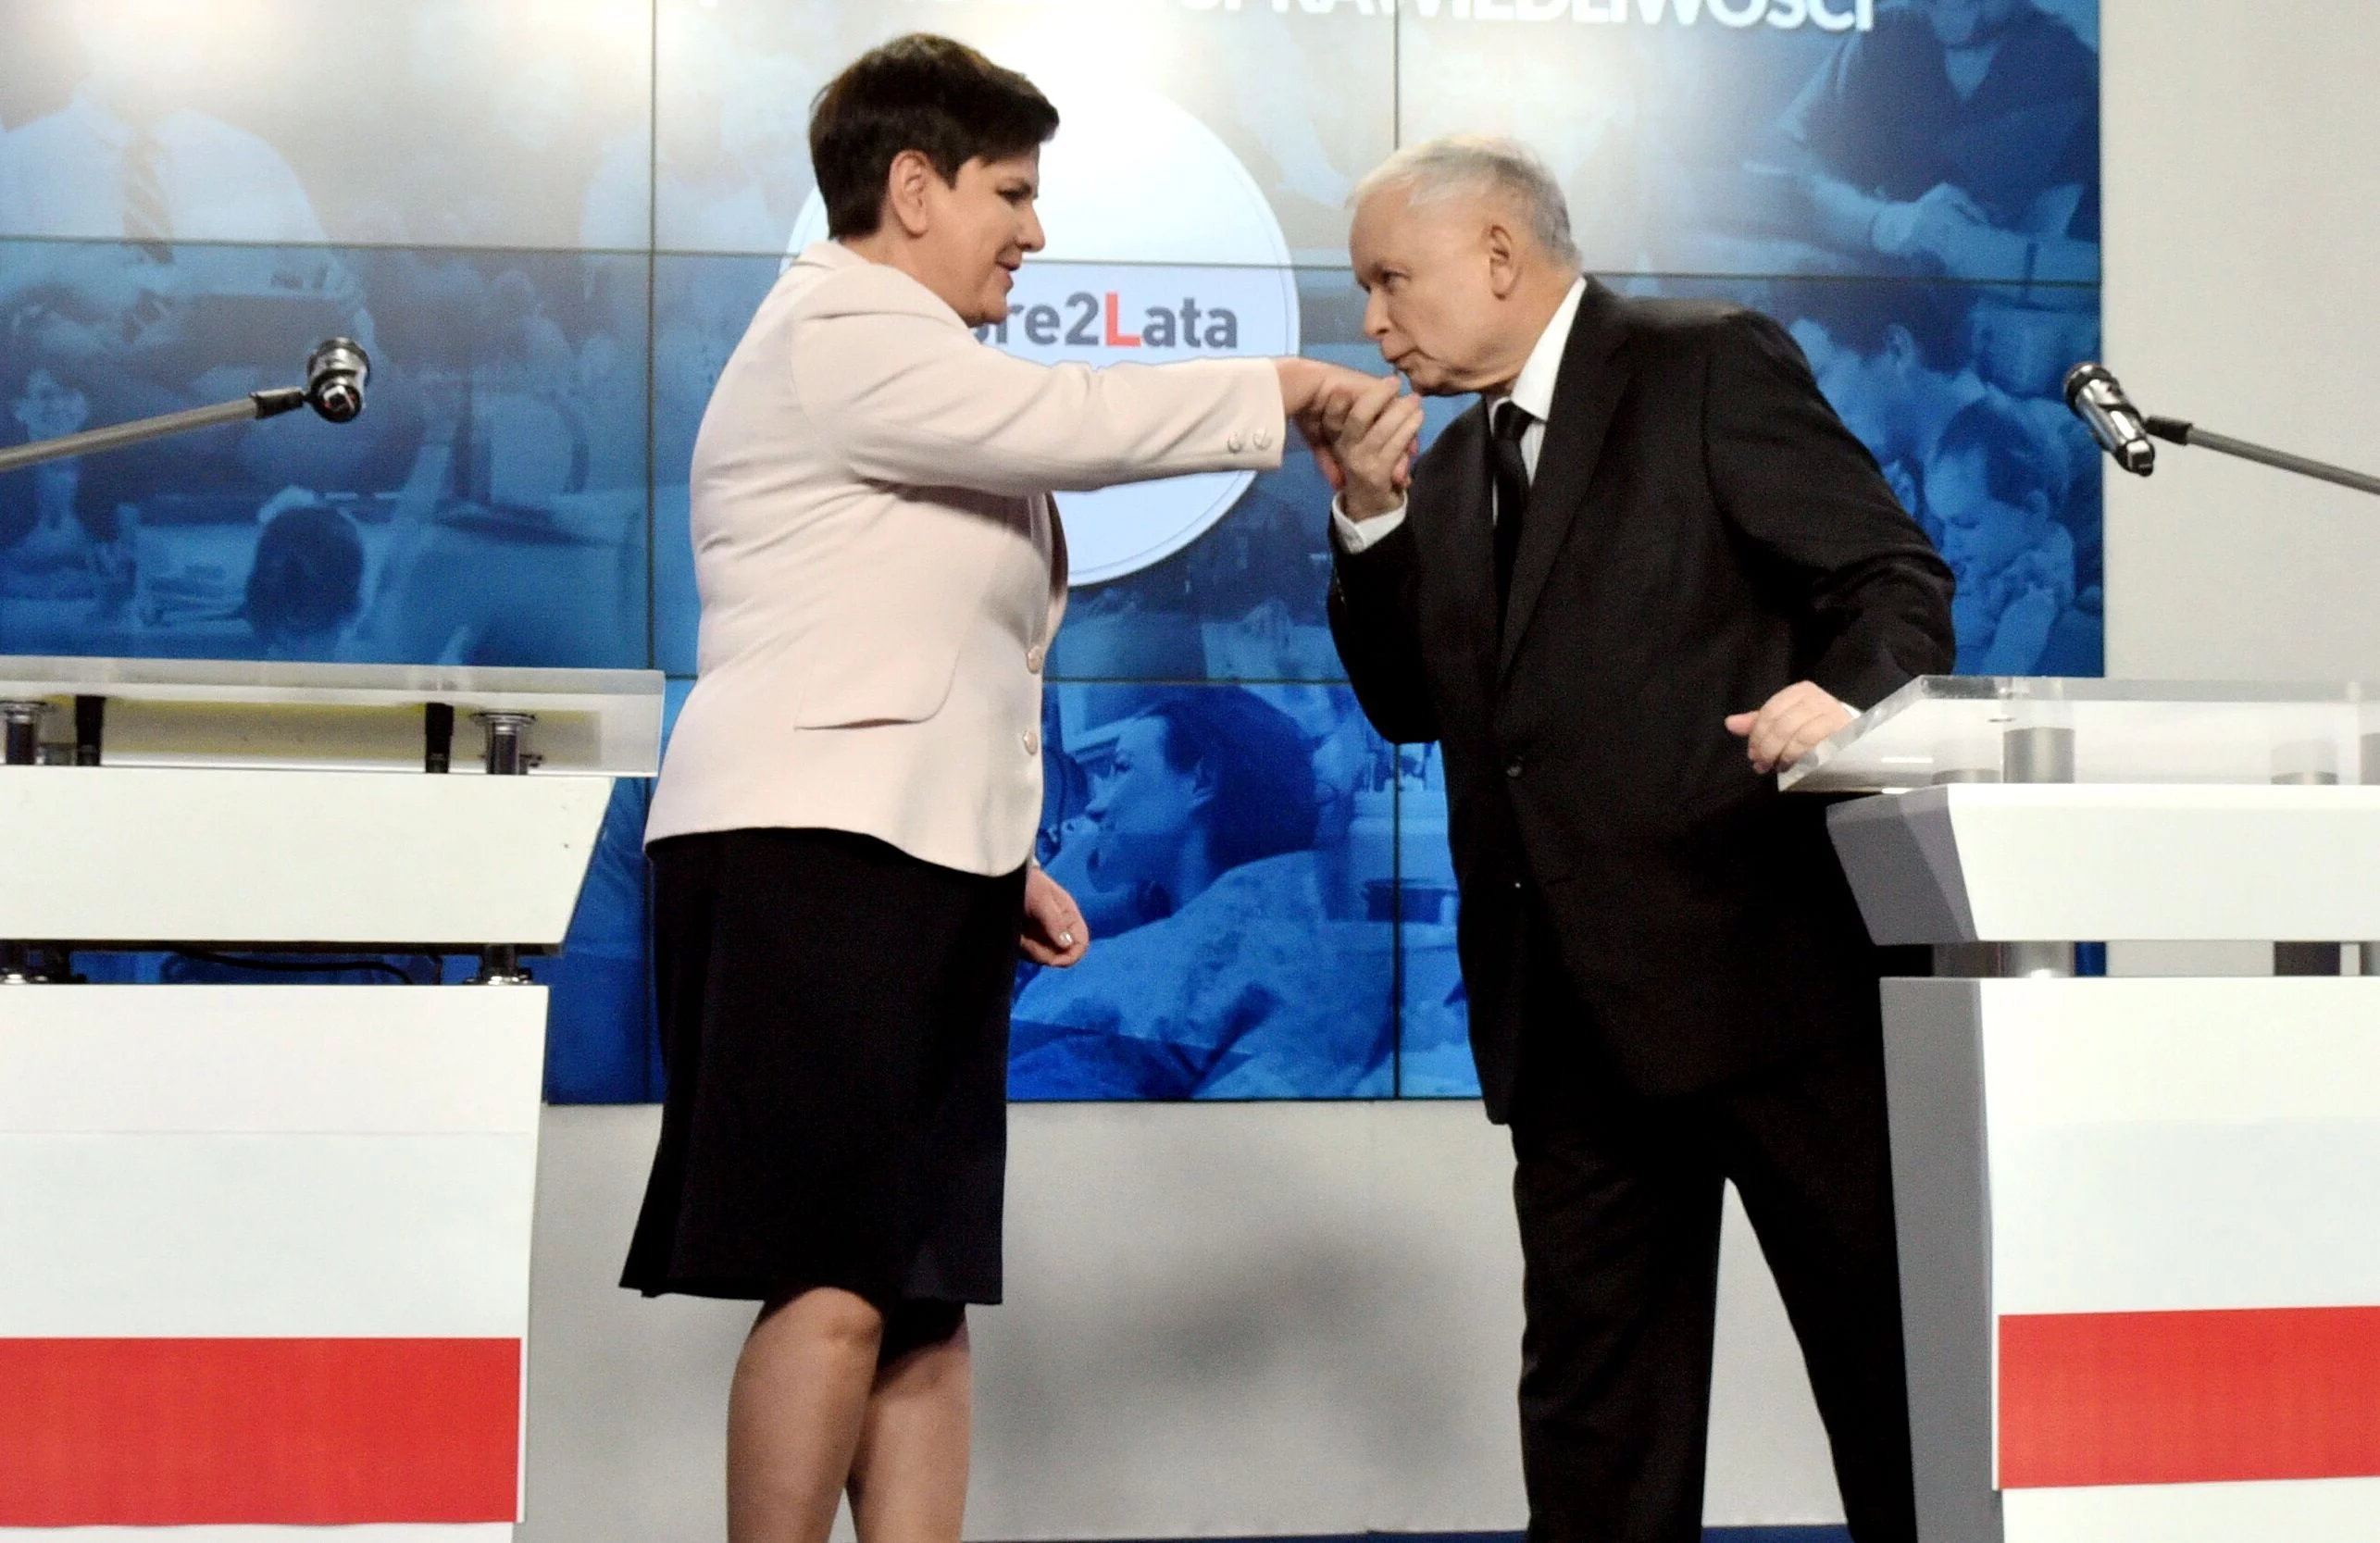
pixel 1054 930
pixel 1316 396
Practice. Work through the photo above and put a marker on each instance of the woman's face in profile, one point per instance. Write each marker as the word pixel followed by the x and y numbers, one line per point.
pixel 982 227
pixel 1142 809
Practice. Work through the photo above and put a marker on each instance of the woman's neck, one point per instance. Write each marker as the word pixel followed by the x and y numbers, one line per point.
pixel 1194 871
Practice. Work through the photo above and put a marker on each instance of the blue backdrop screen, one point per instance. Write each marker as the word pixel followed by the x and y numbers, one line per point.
pixel 551 220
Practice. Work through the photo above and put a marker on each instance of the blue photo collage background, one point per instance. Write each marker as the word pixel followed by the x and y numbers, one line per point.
pixel 550 220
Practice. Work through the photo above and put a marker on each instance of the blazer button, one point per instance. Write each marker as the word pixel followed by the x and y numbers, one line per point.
pixel 1031 741
pixel 1512 768
pixel 1033 660
pixel 1264 438
pixel 1237 443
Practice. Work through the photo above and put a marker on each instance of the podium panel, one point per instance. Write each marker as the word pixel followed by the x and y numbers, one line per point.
pixel 2139 1275
pixel 2333 1511
pixel 141 854
pixel 264 1249
pixel 2137 1252
pixel 1982 863
pixel 267 1255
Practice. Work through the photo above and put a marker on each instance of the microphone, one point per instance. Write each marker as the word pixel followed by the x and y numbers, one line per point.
pixel 335 374
pixel 2100 402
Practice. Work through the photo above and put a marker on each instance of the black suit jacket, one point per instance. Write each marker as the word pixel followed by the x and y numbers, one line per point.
pixel 1702 532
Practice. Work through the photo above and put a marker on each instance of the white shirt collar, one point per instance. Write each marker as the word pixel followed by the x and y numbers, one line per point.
pixel 1533 388
pixel 98 122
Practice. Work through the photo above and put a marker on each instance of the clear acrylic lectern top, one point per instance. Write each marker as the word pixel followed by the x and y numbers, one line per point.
pixel 1956 729
pixel 260 714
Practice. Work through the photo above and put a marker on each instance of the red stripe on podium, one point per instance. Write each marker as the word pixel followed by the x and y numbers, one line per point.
pixel 258 1432
pixel 2189 1398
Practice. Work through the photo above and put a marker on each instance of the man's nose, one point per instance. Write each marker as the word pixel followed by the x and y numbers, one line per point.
pixel 1376 315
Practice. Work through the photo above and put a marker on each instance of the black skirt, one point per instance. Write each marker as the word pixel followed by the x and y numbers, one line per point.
pixel 834 1017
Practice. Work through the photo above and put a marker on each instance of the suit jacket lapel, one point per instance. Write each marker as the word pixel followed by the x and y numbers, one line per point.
pixel 1454 534
pixel 1593 376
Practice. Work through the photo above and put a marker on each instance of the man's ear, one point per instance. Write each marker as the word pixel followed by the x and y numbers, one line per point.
pixel 1503 249
pixel 907 185
pixel 1203 788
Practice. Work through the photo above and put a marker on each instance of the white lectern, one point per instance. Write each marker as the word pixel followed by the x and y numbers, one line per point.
pixel 264 1249
pixel 2140 1251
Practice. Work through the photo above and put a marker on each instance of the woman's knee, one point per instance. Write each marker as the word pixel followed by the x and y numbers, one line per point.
pixel 826 1314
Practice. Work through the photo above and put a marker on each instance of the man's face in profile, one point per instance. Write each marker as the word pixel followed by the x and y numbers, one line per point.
pixel 49 408
pixel 1981 533
pixel 1425 277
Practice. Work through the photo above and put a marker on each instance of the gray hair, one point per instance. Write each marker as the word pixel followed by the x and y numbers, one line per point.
pixel 1480 164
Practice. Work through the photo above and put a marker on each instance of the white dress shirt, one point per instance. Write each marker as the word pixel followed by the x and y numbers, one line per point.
pixel 1532 392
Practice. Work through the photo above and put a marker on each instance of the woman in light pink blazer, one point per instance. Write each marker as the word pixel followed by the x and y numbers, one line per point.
pixel 841 836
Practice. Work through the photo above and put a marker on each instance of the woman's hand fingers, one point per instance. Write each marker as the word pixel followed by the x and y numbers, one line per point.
pixel 1054 932
pixel 1327 460
pixel 1062 951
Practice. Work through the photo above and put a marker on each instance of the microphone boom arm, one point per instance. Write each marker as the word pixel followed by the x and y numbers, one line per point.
pixel 2176 431
pixel 95 441
pixel 335 373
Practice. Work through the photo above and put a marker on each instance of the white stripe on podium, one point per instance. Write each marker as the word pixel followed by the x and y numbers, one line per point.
pixel 482 1531
pixel 2322 1510
pixel 2181 1145
pixel 271 1058
pixel 279 1236
pixel 2184 1217
pixel 2157 1051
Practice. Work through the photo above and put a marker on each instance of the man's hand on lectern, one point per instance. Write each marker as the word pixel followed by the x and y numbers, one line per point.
pixel 1789 726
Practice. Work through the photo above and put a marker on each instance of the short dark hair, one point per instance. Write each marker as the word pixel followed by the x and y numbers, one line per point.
pixel 2016 464
pixel 1265 800
pixel 921 93
pixel 1861 317
pixel 308 574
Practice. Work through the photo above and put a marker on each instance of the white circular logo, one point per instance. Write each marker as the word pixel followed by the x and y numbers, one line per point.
pixel 1161 248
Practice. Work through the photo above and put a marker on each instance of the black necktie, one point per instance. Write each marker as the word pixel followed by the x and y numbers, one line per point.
pixel 1508 474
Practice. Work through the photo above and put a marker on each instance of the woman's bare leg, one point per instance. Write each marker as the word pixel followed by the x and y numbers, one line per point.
pixel 796 1414
pixel 908 1479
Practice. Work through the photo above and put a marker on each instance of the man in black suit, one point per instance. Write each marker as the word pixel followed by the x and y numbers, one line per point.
pixel 1646 570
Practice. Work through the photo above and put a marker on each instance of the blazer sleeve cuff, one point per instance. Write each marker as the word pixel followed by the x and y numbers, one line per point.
pixel 1252 427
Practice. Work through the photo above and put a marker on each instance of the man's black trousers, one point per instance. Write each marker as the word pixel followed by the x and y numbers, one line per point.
pixel 1619 1198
